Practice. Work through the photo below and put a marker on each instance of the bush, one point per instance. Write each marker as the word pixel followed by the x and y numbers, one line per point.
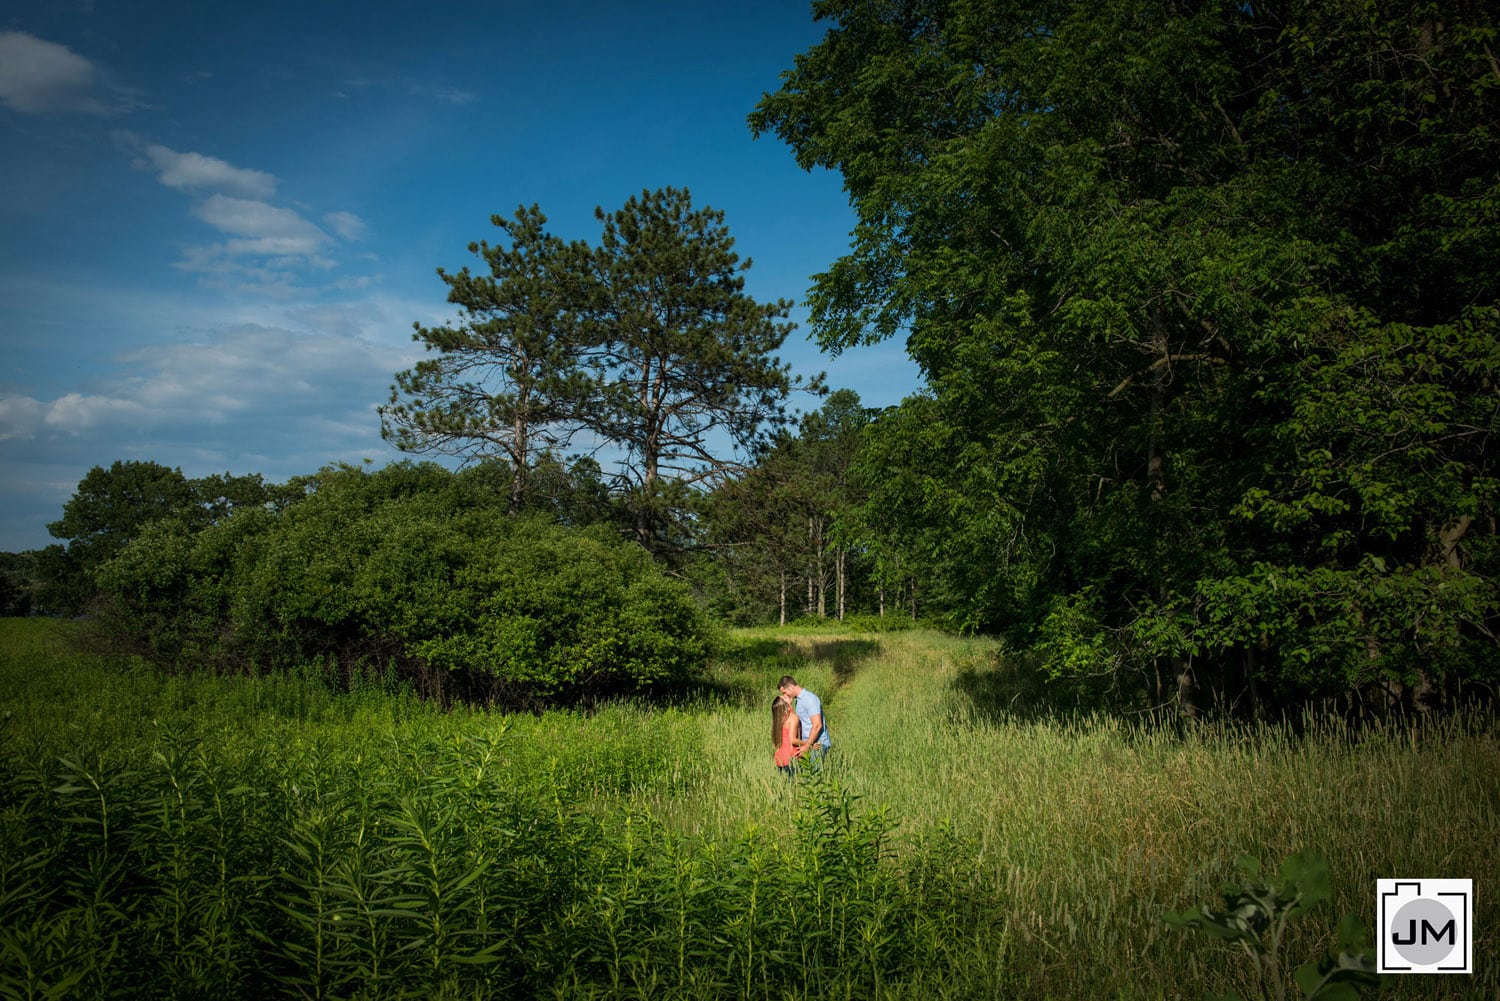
pixel 398 577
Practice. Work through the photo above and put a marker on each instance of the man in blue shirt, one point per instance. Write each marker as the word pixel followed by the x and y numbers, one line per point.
pixel 815 741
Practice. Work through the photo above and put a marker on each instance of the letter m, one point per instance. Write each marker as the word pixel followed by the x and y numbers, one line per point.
pixel 1431 934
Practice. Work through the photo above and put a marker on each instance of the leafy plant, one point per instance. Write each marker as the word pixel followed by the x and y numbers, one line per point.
pixel 1256 914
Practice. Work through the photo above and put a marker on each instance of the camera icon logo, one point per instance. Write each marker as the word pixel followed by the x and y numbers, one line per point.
pixel 1425 925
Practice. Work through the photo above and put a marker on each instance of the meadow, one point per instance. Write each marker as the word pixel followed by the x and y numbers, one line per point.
pixel 200 837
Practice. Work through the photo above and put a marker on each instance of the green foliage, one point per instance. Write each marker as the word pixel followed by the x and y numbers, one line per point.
pixel 220 850
pixel 113 506
pixel 786 522
pixel 287 840
pixel 406 571
pixel 508 381
pixel 1255 917
pixel 17 583
pixel 647 341
pixel 1206 300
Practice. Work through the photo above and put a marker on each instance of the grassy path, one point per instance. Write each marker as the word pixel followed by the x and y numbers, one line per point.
pixel 1085 831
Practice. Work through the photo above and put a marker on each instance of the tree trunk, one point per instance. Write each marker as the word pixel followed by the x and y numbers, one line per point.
pixel 1450 537
pixel 1252 678
pixel 1155 460
pixel 1187 688
pixel 519 454
pixel 841 552
pixel 822 578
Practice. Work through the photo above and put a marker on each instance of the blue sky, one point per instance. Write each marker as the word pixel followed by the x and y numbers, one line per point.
pixel 221 219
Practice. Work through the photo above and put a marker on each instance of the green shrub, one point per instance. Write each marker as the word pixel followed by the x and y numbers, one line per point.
pixel 393 577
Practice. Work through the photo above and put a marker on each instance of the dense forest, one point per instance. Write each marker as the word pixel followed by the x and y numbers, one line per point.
pixel 1207 301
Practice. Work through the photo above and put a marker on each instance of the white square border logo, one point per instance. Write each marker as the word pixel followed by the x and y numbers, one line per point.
pixel 1424 925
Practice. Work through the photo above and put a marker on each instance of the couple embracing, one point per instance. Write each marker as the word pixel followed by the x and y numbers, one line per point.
pixel 798 729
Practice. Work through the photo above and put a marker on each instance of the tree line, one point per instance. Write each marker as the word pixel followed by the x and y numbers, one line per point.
pixel 1207 301
pixel 1207 297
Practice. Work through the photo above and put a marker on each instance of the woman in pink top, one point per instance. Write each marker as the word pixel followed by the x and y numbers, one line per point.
pixel 785 729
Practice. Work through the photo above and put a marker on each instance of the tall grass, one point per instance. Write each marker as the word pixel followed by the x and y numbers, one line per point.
pixel 200 837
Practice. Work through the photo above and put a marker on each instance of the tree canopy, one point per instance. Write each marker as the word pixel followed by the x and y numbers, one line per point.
pixel 507 382
pixel 1206 295
pixel 646 342
pixel 686 358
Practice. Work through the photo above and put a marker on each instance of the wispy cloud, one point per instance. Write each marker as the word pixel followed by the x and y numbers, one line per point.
pixel 270 375
pixel 442 93
pixel 193 172
pixel 346 224
pixel 39 77
pixel 248 398
pixel 263 228
pixel 272 246
pixel 25 417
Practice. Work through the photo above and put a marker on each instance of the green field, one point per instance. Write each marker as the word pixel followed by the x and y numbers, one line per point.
pixel 192 837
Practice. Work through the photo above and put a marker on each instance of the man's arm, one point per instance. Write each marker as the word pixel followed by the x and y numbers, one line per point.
pixel 814 728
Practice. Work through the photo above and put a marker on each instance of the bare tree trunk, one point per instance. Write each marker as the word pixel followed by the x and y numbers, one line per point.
pixel 518 474
pixel 841 553
pixel 1252 679
pixel 782 576
pixel 822 576
pixel 880 591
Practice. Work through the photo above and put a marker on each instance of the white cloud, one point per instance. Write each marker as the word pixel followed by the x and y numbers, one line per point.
pixel 25 417
pixel 75 412
pixel 284 243
pixel 260 221
pixel 250 399
pixel 224 387
pixel 271 246
pixel 20 416
pixel 41 77
pixel 346 224
pixel 196 171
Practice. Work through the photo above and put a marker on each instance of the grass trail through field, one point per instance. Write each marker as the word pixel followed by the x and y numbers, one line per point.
pixel 1087 828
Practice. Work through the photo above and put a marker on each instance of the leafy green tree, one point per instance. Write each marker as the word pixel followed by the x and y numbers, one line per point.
pixel 684 355
pixel 507 381
pixel 114 506
pixel 1206 298
pixel 785 522
pixel 111 505
pixel 825 448
pixel 109 508
pixel 928 520
pixel 757 527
